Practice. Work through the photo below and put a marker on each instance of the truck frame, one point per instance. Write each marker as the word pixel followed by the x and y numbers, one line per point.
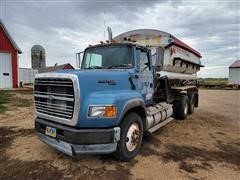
pixel 119 93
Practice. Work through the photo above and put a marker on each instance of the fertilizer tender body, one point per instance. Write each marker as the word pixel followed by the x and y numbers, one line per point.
pixel 170 54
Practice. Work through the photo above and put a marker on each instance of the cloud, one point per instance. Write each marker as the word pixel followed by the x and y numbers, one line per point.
pixel 65 27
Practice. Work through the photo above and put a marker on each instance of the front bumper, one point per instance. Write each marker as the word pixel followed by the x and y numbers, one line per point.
pixel 73 141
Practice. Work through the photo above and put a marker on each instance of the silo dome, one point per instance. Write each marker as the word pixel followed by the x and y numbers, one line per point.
pixel 37 48
pixel 38 56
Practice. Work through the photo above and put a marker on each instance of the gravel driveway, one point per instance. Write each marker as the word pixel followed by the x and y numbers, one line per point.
pixel 205 146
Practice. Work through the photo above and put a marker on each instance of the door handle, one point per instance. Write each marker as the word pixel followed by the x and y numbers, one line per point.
pixel 145 83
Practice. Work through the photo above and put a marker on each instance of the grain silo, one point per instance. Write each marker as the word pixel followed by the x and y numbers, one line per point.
pixel 38 56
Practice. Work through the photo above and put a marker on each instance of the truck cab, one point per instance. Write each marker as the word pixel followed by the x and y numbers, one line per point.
pixel 107 104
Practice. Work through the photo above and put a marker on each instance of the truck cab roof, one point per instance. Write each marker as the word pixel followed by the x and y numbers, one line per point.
pixel 117 44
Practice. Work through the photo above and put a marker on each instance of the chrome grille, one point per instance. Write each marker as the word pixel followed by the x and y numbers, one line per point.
pixel 54 97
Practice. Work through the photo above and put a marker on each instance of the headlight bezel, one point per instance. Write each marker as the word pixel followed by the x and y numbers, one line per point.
pixel 102 111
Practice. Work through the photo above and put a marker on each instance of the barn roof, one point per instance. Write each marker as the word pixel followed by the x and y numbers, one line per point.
pixel 9 37
pixel 54 68
pixel 236 64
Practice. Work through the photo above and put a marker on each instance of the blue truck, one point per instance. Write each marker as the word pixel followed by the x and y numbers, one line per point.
pixel 120 92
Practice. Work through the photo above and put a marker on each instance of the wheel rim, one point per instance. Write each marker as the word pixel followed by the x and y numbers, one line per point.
pixel 192 106
pixel 186 109
pixel 132 137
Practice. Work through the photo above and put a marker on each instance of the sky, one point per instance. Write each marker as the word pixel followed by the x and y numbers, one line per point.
pixel 64 27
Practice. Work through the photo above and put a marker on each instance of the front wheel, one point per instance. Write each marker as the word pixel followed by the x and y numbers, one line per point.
pixel 131 137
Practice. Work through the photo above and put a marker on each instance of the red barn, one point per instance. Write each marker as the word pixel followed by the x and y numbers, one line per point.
pixel 8 59
pixel 55 68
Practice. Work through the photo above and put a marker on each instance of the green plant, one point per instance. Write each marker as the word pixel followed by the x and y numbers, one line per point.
pixel 4 99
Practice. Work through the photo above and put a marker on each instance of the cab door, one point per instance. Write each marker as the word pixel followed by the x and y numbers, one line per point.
pixel 145 75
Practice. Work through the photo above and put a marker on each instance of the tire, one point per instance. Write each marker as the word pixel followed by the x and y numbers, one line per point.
pixel 191 104
pixel 131 126
pixel 180 107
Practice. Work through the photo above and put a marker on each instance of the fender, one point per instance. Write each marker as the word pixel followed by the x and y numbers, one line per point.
pixel 137 102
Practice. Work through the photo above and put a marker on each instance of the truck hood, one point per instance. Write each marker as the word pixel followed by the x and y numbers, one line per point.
pixel 101 80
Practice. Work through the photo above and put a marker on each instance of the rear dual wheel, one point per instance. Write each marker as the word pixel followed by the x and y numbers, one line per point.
pixel 191 98
pixel 183 106
pixel 180 107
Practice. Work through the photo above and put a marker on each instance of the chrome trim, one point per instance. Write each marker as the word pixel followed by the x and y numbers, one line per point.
pixel 41 111
pixel 73 121
pixel 57 108
pixel 77 149
pixel 48 93
pixel 57 144
pixel 53 84
pixel 54 97
pixel 54 105
pixel 54 110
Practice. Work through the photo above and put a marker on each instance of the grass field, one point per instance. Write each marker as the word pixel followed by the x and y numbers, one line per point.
pixel 4 99
pixel 9 97
pixel 213 81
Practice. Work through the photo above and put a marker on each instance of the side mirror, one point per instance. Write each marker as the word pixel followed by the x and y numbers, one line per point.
pixel 147 64
pixel 158 68
pixel 79 57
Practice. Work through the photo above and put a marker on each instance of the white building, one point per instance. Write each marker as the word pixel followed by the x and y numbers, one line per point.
pixel 26 75
pixel 234 73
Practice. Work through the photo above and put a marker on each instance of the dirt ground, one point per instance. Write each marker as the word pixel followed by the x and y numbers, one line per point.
pixel 205 146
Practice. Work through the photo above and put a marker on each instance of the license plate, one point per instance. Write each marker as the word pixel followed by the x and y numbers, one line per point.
pixel 51 131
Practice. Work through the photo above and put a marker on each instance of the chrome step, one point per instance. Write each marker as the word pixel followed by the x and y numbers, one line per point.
pixel 157 126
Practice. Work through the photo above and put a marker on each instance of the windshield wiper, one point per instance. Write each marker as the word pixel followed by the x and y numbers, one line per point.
pixel 95 67
pixel 120 65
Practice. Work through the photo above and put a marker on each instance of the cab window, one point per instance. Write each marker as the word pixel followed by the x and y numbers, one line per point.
pixel 142 56
pixel 93 60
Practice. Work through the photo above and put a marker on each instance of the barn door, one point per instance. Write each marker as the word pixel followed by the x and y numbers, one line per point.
pixel 5 70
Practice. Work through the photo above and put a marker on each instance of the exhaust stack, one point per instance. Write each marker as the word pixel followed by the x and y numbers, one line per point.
pixel 109 34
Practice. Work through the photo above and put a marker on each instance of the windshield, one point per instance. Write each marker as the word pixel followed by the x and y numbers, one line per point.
pixel 108 57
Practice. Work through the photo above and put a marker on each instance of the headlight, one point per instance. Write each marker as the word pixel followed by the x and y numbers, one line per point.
pixel 102 111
